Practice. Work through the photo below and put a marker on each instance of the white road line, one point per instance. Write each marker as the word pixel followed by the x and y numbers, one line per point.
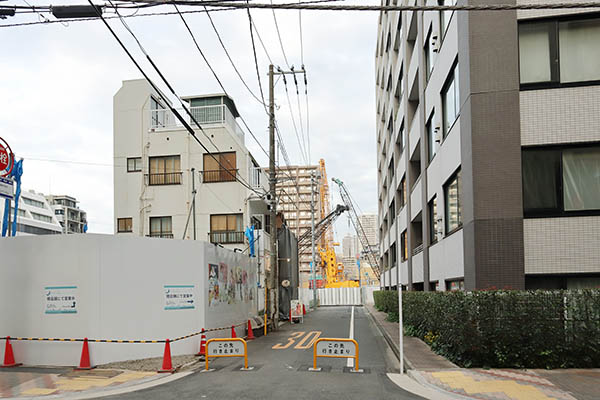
pixel 350 361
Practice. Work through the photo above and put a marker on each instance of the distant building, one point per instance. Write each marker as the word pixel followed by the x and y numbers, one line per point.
pixel 350 246
pixel 69 215
pixel 369 226
pixel 35 216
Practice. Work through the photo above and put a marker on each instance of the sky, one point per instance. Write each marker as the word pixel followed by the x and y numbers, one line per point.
pixel 59 80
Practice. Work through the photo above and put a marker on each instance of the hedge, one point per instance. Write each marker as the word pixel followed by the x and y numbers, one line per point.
pixel 504 329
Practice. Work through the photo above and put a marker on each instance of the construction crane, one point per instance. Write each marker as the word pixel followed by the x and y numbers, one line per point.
pixel 305 239
pixel 360 232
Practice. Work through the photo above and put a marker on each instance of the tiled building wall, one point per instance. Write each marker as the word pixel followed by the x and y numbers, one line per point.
pixel 567 115
pixel 562 245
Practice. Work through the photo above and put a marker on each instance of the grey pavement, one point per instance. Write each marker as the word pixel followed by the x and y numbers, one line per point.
pixel 283 372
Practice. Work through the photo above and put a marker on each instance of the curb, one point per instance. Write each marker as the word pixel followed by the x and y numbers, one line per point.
pixel 417 377
pixel 393 345
pixel 93 394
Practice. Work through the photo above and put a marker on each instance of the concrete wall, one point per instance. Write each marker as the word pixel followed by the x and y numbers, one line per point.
pixel 120 294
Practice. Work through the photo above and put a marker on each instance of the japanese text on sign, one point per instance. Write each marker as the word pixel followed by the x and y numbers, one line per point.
pixel 60 299
pixel 179 297
pixel 221 348
pixel 334 348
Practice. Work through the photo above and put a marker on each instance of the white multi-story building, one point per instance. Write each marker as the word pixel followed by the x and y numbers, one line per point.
pixel 35 216
pixel 158 164
pixel 488 139
pixel 69 215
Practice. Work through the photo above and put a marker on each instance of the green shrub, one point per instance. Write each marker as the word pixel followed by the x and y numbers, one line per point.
pixel 504 329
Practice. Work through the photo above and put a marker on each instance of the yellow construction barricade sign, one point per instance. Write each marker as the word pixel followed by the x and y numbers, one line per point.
pixel 335 348
pixel 227 347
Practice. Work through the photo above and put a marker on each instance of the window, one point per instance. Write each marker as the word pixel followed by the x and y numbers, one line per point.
pixel 134 164
pixel 451 99
pixel 400 85
pixel 560 181
pixel 392 211
pixel 400 140
pixel 445 16
pixel 456 284
pixel 157 113
pixel 404 247
pixel 431 142
pixel 161 227
pixel 165 170
pixel 391 128
pixel 393 255
pixel 41 217
pixel 429 56
pixel 402 190
pixel 226 228
pixel 124 225
pixel 220 168
pixel 59 212
pixel 452 202
pixel 20 212
pixel 32 202
pixel 433 223
pixel 552 53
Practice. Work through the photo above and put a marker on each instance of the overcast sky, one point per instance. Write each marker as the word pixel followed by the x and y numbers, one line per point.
pixel 58 83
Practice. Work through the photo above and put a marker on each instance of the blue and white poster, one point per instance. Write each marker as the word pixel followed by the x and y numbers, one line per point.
pixel 60 299
pixel 179 297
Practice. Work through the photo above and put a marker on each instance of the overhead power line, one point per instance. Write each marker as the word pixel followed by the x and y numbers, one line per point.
pixel 350 7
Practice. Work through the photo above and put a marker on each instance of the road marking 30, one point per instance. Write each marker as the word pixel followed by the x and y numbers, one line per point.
pixel 305 343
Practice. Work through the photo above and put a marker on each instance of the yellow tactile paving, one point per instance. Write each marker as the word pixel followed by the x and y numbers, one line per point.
pixel 514 390
pixel 78 383
pixel 38 392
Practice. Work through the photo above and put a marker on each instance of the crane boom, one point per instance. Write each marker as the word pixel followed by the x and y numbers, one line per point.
pixel 321 227
pixel 360 232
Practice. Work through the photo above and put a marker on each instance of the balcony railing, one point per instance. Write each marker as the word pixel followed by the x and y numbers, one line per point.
pixel 219 175
pixel 205 115
pixel 226 237
pixel 165 178
pixel 417 249
pixel 163 235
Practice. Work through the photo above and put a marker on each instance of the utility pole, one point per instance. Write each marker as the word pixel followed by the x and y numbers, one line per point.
pixel 313 265
pixel 194 201
pixel 274 275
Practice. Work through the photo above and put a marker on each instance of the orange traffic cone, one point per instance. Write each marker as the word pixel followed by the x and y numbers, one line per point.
pixel 233 335
pixel 202 351
pixel 9 357
pixel 303 309
pixel 84 362
pixel 250 332
pixel 167 366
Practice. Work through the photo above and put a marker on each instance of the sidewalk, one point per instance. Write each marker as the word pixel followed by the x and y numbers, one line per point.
pixel 434 371
pixel 40 382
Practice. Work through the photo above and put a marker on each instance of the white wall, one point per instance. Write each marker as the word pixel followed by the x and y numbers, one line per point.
pixel 119 294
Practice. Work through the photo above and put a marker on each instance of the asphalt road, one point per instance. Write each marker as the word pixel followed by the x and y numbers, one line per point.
pixel 281 361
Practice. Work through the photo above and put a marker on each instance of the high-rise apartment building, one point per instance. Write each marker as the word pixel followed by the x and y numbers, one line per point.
pixel 35 215
pixel 368 222
pixel 69 215
pixel 294 201
pixel 488 146
pixel 158 166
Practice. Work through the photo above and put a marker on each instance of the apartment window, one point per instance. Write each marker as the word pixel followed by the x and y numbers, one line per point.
pixel 393 255
pixel 452 202
pixel 41 217
pixel 161 227
pixel 429 55
pixel 433 224
pixel 226 228
pixel 450 100
pixel 165 170
pixel 431 143
pixel 445 16
pixel 59 212
pixel 392 211
pixel 400 87
pixel 134 164
pixel 391 128
pixel 403 191
pixel 124 225
pixel 32 202
pixel 400 140
pixel 219 167
pixel 404 247
pixel 157 112
pixel 552 53
pixel 561 181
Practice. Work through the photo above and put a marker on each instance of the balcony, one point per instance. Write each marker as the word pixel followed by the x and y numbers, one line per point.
pixel 206 116
pixel 219 175
pixel 162 235
pixel 166 178
pixel 226 237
